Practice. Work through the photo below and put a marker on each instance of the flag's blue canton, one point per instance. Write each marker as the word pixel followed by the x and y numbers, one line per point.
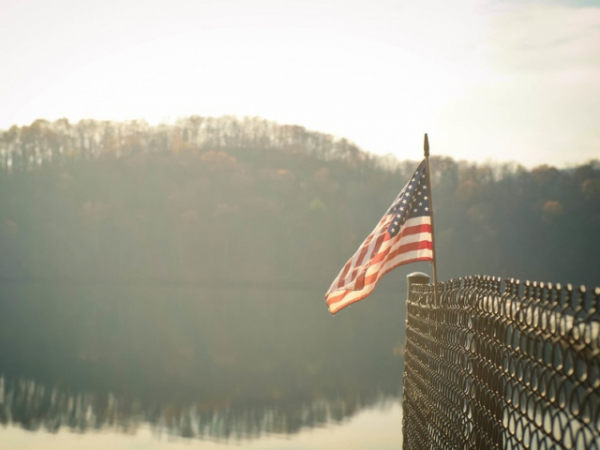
pixel 413 201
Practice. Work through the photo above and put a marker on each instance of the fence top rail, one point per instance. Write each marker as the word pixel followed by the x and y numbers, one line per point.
pixel 560 313
pixel 545 293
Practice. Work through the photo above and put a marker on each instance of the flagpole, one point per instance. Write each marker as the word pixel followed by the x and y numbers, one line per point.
pixel 435 279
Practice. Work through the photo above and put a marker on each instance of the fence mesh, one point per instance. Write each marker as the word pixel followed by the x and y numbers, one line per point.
pixel 502 365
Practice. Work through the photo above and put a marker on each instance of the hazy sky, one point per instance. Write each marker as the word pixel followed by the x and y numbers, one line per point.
pixel 487 79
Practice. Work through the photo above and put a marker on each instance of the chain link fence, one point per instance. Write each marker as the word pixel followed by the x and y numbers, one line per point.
pixel 494 364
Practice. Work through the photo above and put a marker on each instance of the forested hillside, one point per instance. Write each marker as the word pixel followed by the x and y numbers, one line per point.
pixel 250 202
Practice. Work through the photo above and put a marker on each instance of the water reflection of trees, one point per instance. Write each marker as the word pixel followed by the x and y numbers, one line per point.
pixel 191 362
pixel 35 407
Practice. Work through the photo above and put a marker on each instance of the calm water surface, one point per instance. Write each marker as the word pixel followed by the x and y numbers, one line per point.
pixel 374 428
pixel 184 367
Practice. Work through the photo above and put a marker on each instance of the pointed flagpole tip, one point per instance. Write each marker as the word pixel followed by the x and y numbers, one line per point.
pixel 426 146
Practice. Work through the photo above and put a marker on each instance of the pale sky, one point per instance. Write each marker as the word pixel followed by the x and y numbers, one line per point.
pixel 487 79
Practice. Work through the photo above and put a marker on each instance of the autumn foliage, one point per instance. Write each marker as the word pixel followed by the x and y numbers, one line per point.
pixel 227 200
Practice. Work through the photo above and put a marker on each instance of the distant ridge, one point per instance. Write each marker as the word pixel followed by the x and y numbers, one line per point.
pixel 43 141
pixel 248 202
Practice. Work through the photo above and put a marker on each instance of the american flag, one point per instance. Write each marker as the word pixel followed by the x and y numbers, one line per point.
pixel 402 236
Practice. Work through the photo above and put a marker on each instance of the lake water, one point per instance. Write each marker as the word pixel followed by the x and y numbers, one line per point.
pixel 171 366
pixel 374 428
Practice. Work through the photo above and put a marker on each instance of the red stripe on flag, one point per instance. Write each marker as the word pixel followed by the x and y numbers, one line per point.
pixel 412 231
pixel 413 246
pixel 359 268
pixel 350 266
pixel 338 298
pixel 415 229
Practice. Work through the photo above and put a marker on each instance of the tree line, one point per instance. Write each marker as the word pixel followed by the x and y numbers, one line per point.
pixel 44 141
pixel 247 201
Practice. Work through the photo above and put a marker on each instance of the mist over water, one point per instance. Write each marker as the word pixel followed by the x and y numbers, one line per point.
pixel 191 362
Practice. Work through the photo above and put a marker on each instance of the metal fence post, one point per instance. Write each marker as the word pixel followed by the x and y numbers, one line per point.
pixel 416 278
pixel 415 433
